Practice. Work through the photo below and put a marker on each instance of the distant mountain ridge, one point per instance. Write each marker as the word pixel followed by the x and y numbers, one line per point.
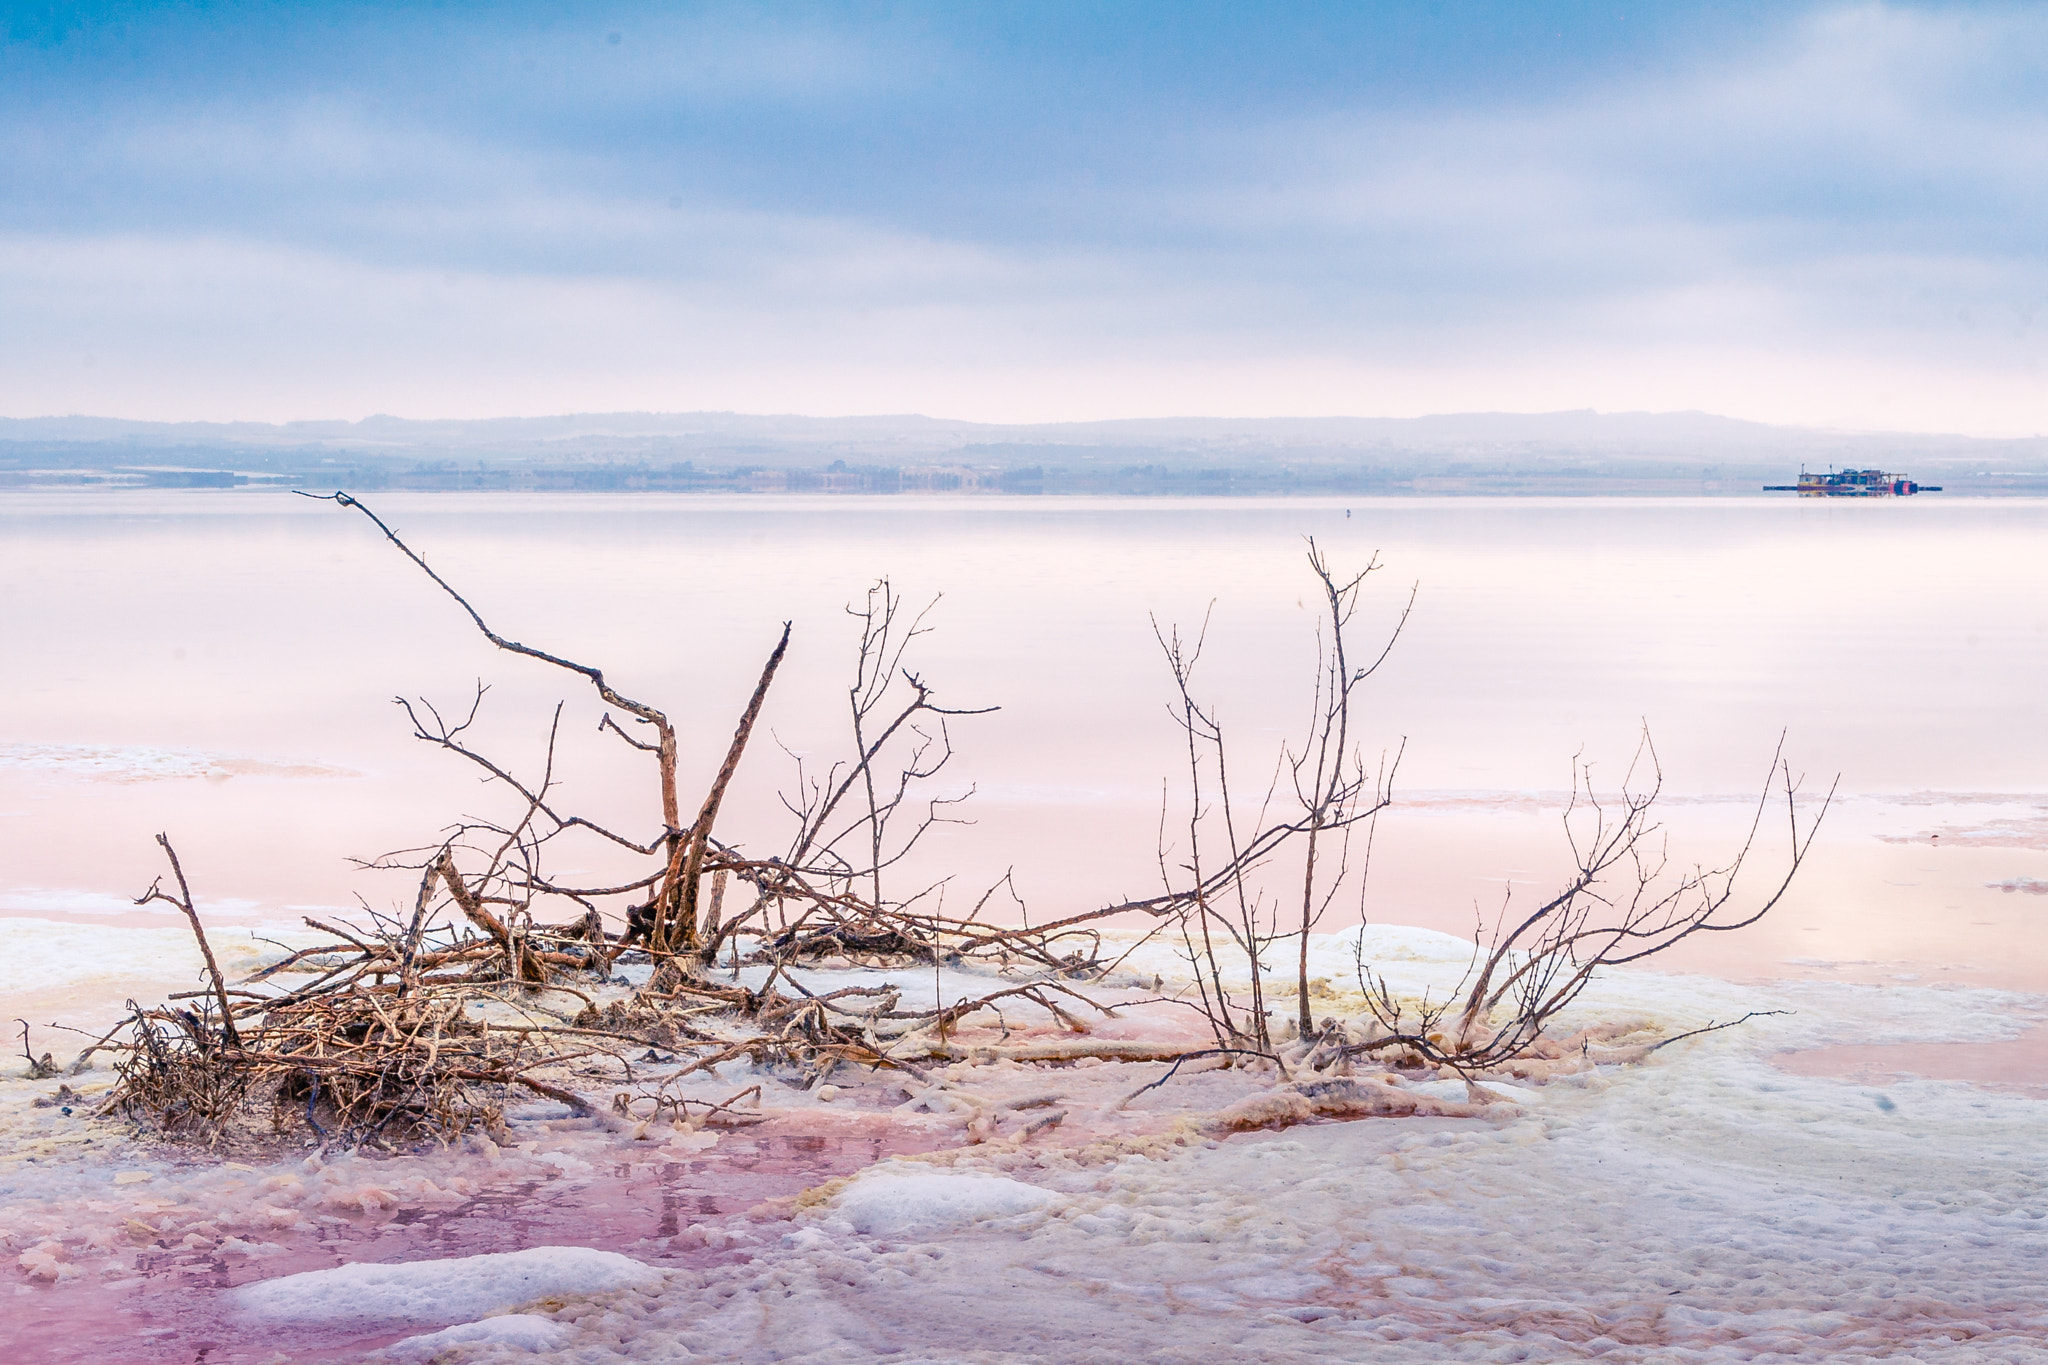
pixel 1575 426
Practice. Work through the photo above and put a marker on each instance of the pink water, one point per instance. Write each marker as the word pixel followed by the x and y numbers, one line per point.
pixel 177 1313
pixel 263 637
pixel 2015 1064
pixel 220 666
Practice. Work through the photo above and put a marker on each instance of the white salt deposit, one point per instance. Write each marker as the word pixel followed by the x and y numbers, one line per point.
pixel 79 974
pixel 519 1331
pixel 47 955
pixel 1699 1206
pixel 898 1198
pixel 1702 1211
pixel 149 763
pixel 440 1291
pixel 1405 955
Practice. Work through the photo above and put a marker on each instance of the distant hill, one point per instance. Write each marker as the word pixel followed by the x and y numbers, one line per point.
pixel 1579 451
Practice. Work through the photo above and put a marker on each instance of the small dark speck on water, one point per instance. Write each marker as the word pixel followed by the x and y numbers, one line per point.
pixel 1884 1102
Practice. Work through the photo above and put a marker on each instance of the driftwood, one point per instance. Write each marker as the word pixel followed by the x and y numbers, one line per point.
pixel 502 980
pixel 429 1028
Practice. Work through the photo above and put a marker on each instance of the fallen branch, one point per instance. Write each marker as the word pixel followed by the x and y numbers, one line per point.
pixel 183 901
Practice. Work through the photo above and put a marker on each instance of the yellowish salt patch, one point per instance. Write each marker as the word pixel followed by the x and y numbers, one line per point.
pixel 695 1141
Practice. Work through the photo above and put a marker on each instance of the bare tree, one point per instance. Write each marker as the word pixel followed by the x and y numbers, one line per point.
pixel 1337 782
pixel 1623 902
pixel 896 724
pixel 670 916
pixel 384 1038
pixel 1224 913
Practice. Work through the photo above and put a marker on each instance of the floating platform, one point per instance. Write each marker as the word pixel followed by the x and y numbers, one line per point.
pixel 1853 483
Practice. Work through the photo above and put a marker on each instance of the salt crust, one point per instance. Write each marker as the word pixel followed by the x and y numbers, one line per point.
pixel 922 988
pixel 410 1292
pixel 148 763
pixel 45 955
pixel 1701 1212
pixel 1700 1206
pixel 520 1331
pixel 79 975
pixel 891 1199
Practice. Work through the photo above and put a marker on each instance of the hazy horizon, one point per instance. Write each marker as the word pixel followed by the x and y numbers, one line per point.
pixel 1725 421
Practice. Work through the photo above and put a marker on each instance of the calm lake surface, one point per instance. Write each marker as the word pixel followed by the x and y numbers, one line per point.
pixel 220 666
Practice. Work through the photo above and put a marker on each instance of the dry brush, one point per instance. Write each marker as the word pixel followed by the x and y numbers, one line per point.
pixel 504 979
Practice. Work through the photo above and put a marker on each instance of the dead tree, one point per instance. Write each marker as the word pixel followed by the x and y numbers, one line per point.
pixel 1330 781
pixel 671 912
pixel 845 818
pixel 830 881
pixel 424 1021
pixel 421 1022
pixel 1624 902
pixel 1225 914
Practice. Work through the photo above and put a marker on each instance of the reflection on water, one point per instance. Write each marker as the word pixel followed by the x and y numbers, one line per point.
pixel 241 649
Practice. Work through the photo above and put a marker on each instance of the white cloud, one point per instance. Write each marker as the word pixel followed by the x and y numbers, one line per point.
pixel 1838 232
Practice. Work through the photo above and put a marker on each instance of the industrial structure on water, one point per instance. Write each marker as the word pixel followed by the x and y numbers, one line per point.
pixel 1852 483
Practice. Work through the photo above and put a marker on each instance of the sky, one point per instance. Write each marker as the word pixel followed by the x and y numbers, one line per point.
pixel 1816 214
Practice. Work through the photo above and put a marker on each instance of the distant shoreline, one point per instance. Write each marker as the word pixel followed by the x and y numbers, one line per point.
pixel 1138 483
pixel 1556 454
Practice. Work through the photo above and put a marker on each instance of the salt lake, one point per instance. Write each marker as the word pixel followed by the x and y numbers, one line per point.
pixel 1852 1175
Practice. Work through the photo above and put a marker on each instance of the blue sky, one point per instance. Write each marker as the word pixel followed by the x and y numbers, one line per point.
pixel 1822 214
